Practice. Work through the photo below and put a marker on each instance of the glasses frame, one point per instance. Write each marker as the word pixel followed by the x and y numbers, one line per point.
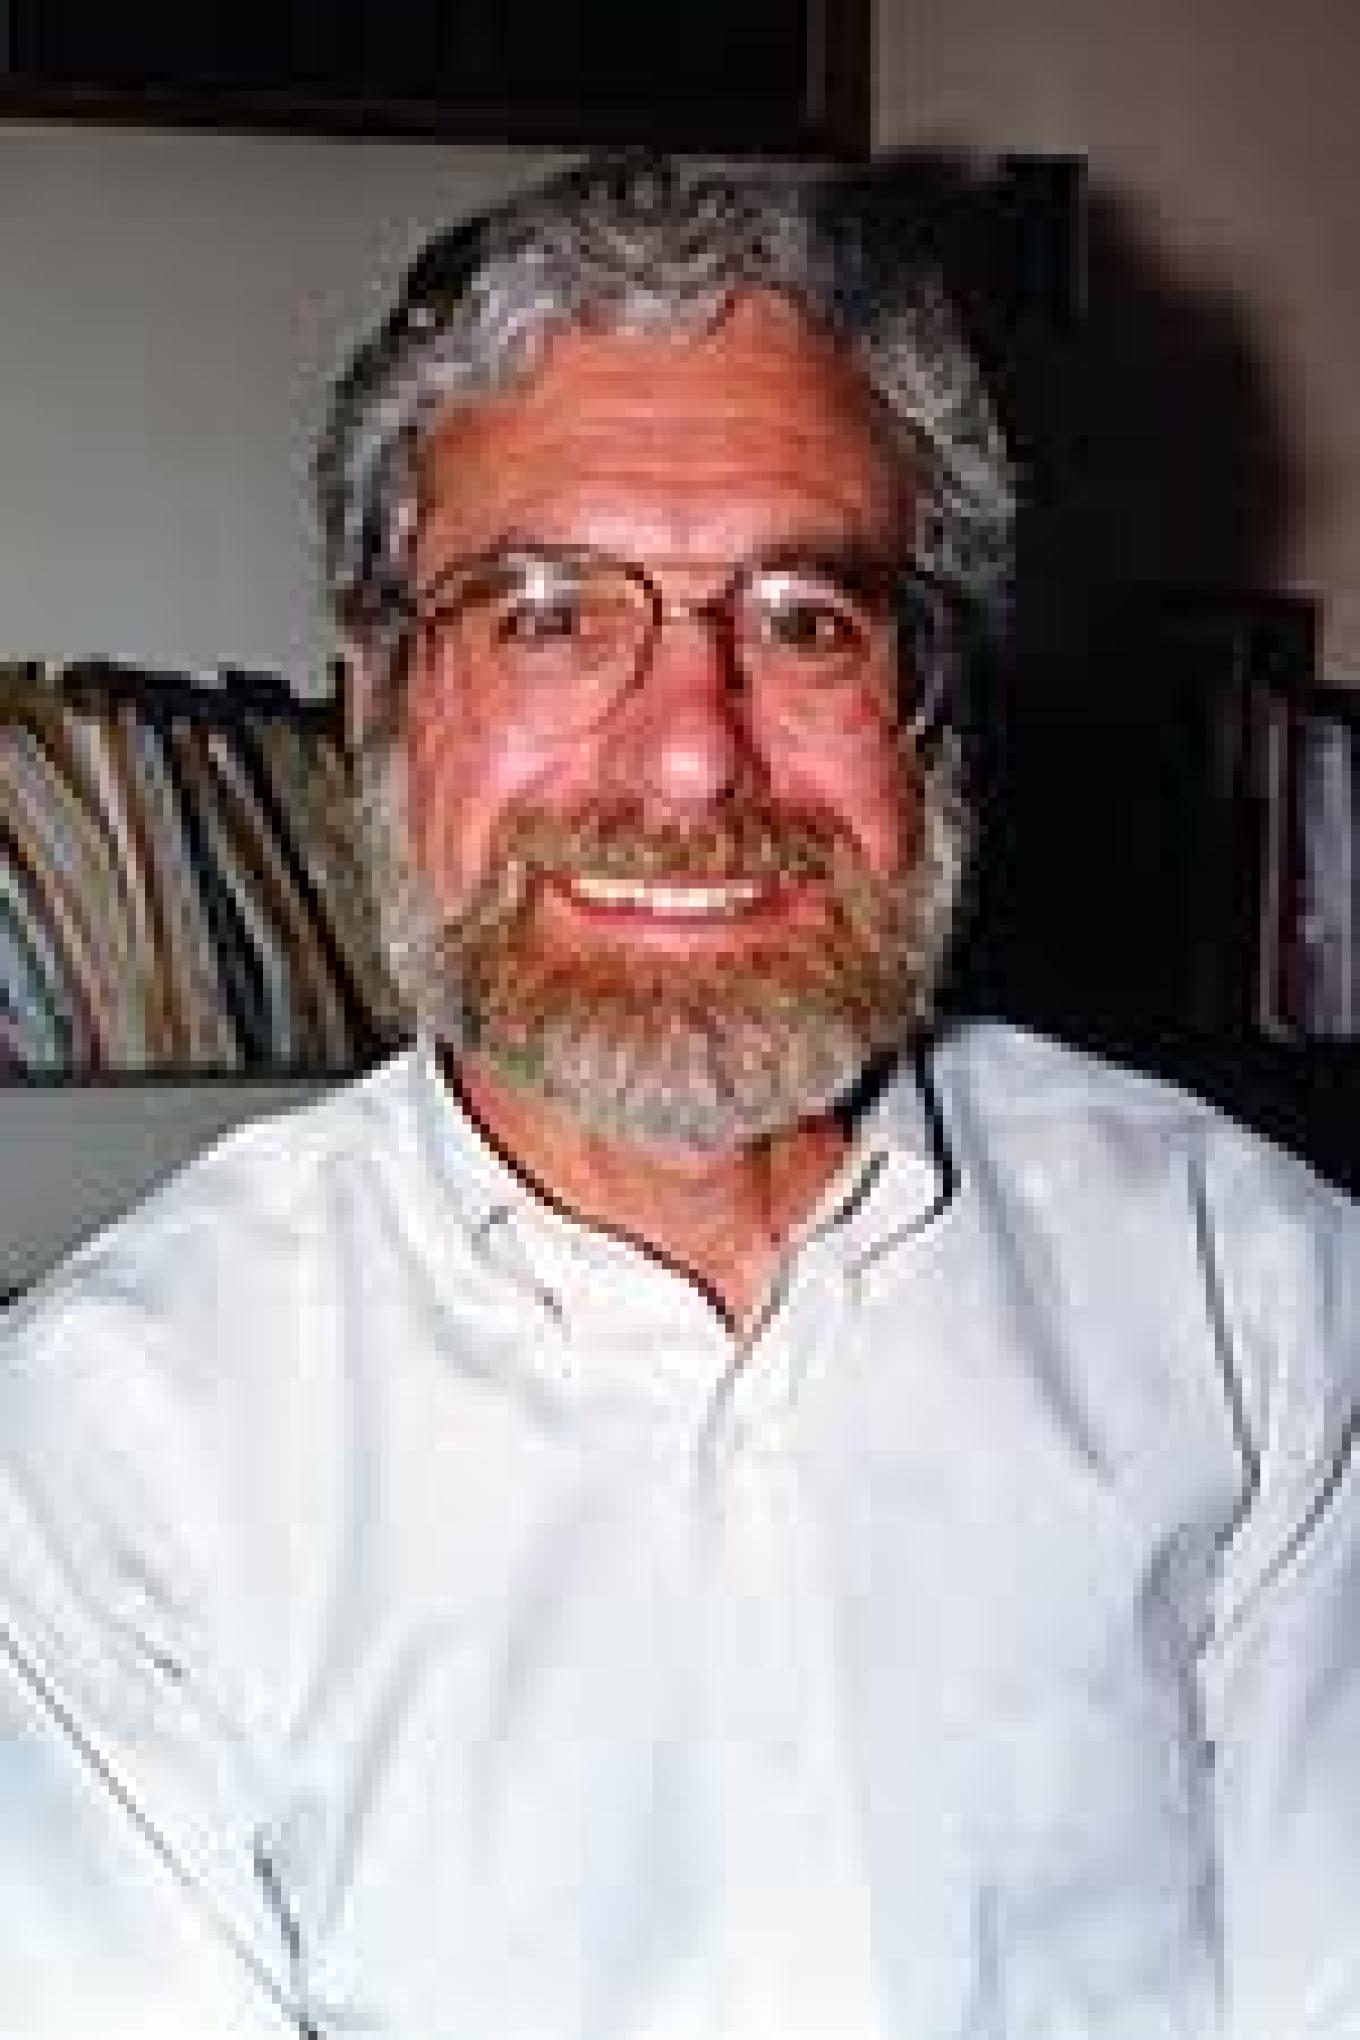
pixel 925 611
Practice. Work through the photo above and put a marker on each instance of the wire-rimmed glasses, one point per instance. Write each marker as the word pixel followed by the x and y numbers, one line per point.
pixel 820 646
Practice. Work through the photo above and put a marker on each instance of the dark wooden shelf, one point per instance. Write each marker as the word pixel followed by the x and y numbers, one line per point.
pixel 732 76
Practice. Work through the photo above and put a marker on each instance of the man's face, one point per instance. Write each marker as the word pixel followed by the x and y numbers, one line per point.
pixel 689 920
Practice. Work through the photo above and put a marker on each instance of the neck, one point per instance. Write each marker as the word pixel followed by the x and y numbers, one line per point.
pixel 723 1217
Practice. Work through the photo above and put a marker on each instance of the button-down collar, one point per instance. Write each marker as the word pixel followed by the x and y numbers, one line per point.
pixel 894 1178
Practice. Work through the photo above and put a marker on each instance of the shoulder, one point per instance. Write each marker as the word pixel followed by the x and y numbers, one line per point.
pixel 1005 1085
pixel 204 1239
pixel 188 1289
pixel 1105 1147
pixel 1019 1078
pixel 157 1392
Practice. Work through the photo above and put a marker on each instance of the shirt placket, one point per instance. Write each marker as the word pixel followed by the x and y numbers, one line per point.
pixel 797 1955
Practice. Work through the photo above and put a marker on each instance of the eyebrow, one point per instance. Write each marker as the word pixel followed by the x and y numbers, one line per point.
pixel 853 558
pixel 854 564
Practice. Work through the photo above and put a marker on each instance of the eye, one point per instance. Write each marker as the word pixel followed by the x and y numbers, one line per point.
pixel 587 617
pixel 529 620
pixel 813 627
pixel 806 621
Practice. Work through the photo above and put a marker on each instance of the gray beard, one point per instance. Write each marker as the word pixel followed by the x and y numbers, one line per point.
pixel 710 1057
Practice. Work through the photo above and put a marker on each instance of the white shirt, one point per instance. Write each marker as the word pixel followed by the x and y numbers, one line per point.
pixel 420 1618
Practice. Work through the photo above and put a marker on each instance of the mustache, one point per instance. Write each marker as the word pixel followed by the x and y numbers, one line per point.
pixel 745 841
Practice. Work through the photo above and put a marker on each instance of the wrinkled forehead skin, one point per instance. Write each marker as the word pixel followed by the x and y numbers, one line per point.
pixel 664 443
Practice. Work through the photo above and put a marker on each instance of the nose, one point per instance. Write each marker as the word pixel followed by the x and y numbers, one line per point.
pixel 682 741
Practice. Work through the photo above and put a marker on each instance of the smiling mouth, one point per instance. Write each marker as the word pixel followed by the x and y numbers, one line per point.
pixel 671 899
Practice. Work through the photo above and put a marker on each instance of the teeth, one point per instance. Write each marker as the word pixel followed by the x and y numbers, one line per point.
pixel 660 896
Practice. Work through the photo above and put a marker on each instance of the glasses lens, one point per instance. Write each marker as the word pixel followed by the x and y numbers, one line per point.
pixel 807 643
pixel 557 638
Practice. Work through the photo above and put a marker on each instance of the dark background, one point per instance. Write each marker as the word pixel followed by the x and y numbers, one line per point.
pixel 775 75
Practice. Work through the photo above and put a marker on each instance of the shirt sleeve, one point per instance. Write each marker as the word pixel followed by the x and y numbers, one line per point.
pixel 1281 1670
pixel 100 1937
pixel 132 1786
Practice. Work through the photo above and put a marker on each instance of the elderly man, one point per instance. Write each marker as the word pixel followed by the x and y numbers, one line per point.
pixel 675 1510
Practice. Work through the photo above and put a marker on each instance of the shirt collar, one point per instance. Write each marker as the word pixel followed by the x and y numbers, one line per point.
pixel 903 1172
pixel 898 1176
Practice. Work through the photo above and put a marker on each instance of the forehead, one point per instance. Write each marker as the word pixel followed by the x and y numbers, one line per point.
pixel 756 427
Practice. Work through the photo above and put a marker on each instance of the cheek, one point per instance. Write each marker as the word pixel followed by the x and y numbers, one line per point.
pixel 875 795
pixel 463 779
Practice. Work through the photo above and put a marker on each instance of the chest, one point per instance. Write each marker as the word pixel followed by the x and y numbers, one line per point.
pixel 867 1706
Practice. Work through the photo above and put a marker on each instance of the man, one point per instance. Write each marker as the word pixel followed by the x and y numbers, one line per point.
pixel 671 1509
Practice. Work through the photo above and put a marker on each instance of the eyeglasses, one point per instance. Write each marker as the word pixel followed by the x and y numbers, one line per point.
pixel 558 637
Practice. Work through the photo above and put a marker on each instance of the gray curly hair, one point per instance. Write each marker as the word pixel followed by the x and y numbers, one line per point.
pixel 648 245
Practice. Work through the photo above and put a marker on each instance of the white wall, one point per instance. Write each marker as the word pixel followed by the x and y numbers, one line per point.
pixel 1232 124
pixel 174 306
